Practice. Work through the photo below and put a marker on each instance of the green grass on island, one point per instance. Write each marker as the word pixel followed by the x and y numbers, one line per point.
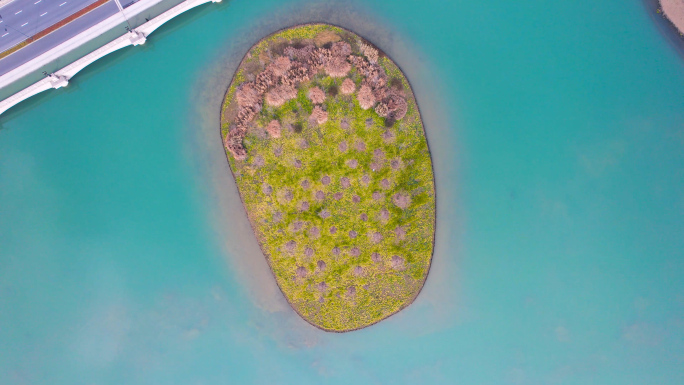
pixel 341 199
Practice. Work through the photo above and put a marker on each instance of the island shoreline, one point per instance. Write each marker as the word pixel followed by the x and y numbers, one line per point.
pixel 665 25
pixel 251 223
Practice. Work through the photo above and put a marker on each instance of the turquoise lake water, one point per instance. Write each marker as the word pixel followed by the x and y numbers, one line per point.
pixel 557 134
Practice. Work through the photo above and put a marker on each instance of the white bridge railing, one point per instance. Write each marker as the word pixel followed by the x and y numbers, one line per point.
pixel 137 36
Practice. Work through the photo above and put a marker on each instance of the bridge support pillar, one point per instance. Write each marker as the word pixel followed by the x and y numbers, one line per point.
pixel 136 38
pixel 58 81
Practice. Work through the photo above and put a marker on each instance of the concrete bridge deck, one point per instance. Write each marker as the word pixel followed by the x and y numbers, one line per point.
pixel 61 77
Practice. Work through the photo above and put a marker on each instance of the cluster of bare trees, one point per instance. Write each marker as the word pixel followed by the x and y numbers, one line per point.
pixel 278 82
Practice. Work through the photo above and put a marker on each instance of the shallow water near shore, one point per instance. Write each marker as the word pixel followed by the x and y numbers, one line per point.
pixel 557 135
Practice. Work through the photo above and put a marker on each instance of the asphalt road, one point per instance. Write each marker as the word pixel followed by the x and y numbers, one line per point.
pixel 31 11
pixel 23 18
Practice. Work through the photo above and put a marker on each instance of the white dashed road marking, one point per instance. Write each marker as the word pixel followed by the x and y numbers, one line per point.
pixel 63 3
pixel 5 34
pixel 24 24
pixel 18 12
pixel 37 1
pixel 43 14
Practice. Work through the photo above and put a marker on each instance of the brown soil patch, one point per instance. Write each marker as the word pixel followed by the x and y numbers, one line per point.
pixel 322 286
pixel 286 195
pixel 342 146
pixel 320 265
pixel 277 216
pixel 301 272
pixel 351 291
pixel 318 115
pixel 273 129
pixel 398 263
pixel 290 245
pixel 296 226
pixel 400 233
pixel 401 200
pixel 388 136
pixel 259 133
pixel 384 215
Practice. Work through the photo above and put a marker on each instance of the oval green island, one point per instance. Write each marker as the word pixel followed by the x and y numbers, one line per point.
pixel 327 147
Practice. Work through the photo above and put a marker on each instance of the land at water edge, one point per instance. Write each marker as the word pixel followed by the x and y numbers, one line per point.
pixel 674 12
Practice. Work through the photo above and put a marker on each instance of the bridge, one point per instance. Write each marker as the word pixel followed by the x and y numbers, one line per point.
pixel 61 77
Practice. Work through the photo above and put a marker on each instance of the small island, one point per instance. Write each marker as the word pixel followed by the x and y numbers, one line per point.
pixel 327 147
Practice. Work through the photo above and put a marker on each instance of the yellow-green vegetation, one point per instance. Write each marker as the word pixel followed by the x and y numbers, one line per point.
pixel 343 208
